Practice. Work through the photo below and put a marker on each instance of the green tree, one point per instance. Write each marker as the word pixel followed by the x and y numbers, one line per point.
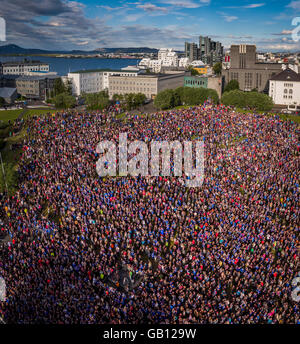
pixel 217 68
pixel 169 98
pixel 165 100
pixel 251 100
pixel 64 100
pixel 68 87
pixel 96 101
pixel 232 85
pixel 59 87
pixel 193 71
pixel 139 99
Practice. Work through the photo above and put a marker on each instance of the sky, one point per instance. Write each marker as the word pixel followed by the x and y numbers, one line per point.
pixel 93 24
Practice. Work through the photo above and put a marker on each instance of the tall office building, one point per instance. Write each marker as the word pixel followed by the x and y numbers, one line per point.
pixel 191 51
pixel 247 71
pixel 208 51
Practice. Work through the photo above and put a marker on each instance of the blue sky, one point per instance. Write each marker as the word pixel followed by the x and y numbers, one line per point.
pixel 90 24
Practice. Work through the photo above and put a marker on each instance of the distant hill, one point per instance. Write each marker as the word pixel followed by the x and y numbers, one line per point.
pixel 12 49
pixel 127 50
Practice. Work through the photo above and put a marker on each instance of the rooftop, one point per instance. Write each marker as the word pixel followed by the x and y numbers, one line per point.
pixel 103 70
pixel 28 63
pixel 6 92
pixel 286 75
pixel 37 77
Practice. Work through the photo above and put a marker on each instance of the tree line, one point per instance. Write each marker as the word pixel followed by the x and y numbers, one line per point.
pixel 252 100
pixel 171 98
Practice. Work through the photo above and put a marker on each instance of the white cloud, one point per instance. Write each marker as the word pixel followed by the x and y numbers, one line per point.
pixel 186 3
pixel 82 43
pixel 295 5
pixel 283 33
pixel 152 8
pixel 254 5
pixel 108 8
pixel 230 18
pixel 227 17
pixel 248 6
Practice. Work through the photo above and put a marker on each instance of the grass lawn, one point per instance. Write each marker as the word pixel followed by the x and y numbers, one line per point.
pixel 11 157
pixel 36 112
pixel 11 115
pixel 183 107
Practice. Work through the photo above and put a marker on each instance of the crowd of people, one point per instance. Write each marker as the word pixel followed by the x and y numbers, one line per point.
pixel 225 252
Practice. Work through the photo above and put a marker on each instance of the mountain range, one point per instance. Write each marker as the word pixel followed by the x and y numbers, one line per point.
pixel 12 49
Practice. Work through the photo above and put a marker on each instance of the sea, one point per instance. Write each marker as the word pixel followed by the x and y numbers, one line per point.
pixel 63 65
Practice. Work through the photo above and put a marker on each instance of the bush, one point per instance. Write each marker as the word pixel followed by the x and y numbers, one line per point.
pixel 165 100
pixel 251 100
pixel 168 99
pixel 96 101
pixel 232 85
pixel 64 100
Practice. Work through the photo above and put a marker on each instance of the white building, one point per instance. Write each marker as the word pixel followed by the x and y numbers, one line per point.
pixel 153 65
pixel 285 88
pixel 168 57
pixel 165 58
pixel 23 67
pixel 94 81
pixel 183 62
pixel 197 63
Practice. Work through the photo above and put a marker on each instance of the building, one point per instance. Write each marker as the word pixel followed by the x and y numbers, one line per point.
pixel 8 80
pixel 131 69
pixel 22 67
pixel 285 88
pixel 153 65
pixel 36 87
pixel 40 73
pixel 191 51
pixel 148 84
pixel 94 81
pixel 213 82
pixel 167 59
pixel 247 71
pixel 208 51
pixel 9 94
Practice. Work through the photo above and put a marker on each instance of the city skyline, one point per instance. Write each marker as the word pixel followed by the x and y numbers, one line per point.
pixel 90 24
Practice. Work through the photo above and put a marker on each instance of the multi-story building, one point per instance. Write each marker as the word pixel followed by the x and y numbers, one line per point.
pixel 8 80
pixel 247 71
pixel 153 65
pixel 148 84
pixel 285 88
pixel 23 67
pixel 36 87
pixel 208 51
pixel 191 51
pixel 213 82
pixel 94 81
pixel 166 59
